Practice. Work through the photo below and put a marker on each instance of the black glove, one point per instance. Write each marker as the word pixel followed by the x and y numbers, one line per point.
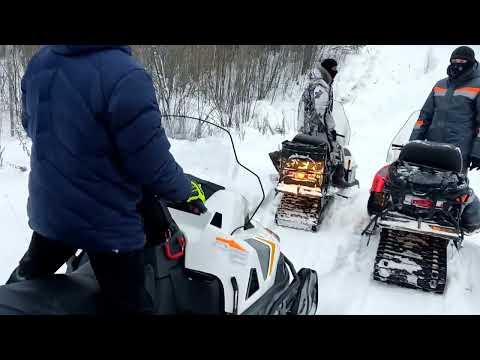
pixel 333 135
pixel 196 201
pixel 475 164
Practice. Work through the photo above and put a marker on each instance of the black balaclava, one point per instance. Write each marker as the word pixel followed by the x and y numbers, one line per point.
pixel 328 64
pixel 455 70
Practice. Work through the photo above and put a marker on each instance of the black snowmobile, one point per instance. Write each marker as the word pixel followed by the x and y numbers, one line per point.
pixel 220 262
pixel 417 202
pixel 307 168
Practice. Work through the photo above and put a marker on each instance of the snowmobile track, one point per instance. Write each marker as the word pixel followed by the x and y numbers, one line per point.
pixel 301 213
pixel 411 260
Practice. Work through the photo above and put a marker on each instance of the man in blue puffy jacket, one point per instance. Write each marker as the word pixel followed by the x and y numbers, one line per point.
pixel 97 141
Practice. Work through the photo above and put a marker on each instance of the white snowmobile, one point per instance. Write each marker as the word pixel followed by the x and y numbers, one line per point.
pixel 220 262
pixel 306 166
pixel 417 202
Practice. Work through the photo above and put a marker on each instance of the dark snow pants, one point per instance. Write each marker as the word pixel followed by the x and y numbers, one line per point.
pixel 121 276
pixel 470 220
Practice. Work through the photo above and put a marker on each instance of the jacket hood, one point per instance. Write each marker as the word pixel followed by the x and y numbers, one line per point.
pixel 318 74
pixel 474 72
pixel 326 75
pixel 72 50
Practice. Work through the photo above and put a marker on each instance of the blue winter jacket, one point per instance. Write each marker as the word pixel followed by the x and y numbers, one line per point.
pixel 97 138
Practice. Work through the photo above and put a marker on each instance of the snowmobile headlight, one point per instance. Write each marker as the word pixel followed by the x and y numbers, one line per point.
pixel 300 175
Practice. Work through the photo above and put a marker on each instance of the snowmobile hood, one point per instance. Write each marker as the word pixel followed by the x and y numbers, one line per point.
pixel 73 50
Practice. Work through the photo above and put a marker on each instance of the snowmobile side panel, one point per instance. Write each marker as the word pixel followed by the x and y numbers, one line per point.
pixel 177 290
pixel 263 305
pixel 226 257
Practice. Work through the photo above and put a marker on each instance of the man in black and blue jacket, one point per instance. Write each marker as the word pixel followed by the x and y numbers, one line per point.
pixel 451 114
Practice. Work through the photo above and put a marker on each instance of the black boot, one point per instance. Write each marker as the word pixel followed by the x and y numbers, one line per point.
pixel 376 203
pixel 43 257
pixel 16 276
pixel 338 179
pixel 470 221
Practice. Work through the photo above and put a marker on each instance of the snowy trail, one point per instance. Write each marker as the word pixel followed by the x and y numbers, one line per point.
pixel 380 87
pixel 392 85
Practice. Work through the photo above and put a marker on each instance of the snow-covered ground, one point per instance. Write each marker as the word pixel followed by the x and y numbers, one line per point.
pixel 380 88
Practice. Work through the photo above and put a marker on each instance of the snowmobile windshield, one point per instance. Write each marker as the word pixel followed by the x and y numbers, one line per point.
pixel 205 149
pixel 402 137
pixel 342 126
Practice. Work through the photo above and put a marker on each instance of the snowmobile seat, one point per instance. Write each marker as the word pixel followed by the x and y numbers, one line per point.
pixel 173 288
pixel 437 155
pixel 311 140
pixel 58 294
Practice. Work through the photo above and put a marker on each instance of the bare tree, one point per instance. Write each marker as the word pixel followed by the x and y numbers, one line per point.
pixel 10 54
pixel 223 82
